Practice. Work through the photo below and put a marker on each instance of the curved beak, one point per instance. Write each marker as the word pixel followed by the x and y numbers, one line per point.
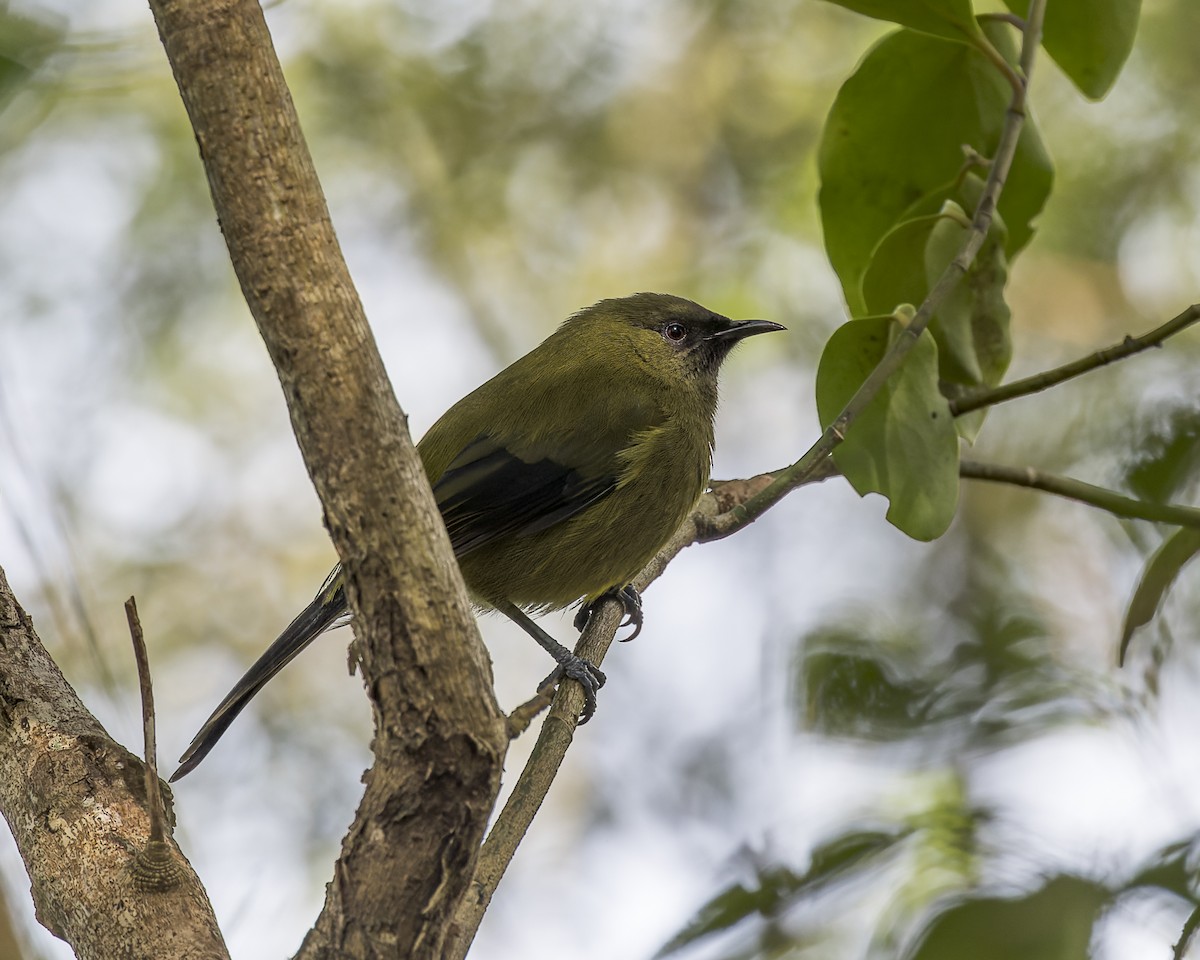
pixel 740 329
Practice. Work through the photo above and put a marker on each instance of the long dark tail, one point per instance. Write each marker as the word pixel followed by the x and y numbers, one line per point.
pixel 328 609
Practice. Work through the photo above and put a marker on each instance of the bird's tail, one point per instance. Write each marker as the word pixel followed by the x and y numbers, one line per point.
pixel 327 610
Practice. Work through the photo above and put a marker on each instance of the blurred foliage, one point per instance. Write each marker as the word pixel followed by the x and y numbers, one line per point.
pixel 26 43
pixel 981 669
pixel 1161 570
pixel 775 887
pixel 492 167
pixel 1052 923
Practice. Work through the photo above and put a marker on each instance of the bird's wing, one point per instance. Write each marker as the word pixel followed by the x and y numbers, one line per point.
pixel 488 492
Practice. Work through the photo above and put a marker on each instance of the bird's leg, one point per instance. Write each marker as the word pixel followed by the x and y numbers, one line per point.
pixel 570 665
pixel 630 601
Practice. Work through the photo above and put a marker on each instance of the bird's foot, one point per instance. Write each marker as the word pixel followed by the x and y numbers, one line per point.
pixel 631 604
pixel 589 676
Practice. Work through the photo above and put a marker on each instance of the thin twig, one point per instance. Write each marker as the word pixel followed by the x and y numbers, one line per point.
pixel 1101 497
pixel 1010 18
pixel 150 748
pixel 1031 36
pixel 155 867
pixel 814 459
pixel 521 716
pixel 996 59
pixel 1051 378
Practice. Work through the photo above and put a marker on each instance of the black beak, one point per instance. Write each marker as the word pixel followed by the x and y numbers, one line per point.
pixel 740 329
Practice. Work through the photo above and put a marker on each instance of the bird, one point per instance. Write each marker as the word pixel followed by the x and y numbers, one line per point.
pixel 558 479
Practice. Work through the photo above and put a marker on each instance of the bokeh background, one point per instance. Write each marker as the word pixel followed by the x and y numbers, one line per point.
pixel 943 722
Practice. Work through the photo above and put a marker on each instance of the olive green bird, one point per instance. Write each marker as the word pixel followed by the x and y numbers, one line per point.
pixel 558 479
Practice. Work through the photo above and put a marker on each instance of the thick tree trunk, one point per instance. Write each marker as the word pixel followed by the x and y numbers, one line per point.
pixel 440 737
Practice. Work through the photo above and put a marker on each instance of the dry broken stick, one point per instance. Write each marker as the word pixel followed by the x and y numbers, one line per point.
pixel 156 867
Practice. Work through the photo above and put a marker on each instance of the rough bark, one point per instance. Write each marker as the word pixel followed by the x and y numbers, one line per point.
pixel 75 802
pixel 439 734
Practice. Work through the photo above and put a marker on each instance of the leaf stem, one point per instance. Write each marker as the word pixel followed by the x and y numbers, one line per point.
pixel 996 59
pixel 1010 18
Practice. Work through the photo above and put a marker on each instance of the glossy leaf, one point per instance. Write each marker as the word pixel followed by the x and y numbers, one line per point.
pixel 895 136
pixel 904 444
pixel 1089 39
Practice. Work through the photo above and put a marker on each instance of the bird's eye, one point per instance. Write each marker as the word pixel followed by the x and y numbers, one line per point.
pixel 675 332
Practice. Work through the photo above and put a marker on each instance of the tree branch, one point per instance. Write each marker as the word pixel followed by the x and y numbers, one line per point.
pixel 814 458
pixel 439 736
pixel 1115 503
pixel 1052 378
pixel 76 803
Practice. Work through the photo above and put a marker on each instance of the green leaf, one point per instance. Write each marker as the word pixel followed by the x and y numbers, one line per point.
pixel 1089 39
pixel 1160 572
pixel 896 271
pixel 904 444
pixel 894 137
pixel 971 325
pixel 951 19
pixel 1054 923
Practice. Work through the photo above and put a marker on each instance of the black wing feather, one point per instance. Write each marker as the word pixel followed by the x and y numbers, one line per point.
pixel 489 492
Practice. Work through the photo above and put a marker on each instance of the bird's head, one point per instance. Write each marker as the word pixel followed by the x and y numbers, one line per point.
pixel 670 336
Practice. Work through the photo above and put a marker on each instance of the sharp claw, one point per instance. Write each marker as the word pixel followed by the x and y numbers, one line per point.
pixel 631 600
pixel 587 674
pixel 631 605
